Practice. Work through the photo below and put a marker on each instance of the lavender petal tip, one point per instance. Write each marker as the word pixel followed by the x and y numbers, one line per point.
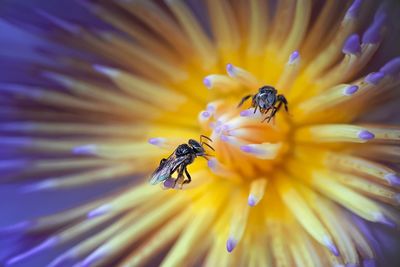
pixel 230 245
pixel 392 67
pixel 354 9
pixel 155 141
pixel 99 211
pixel 105 70
pixel 374 78
pixel 385 220
pixel 230 69
pixel 369 263
pixel 84 149
pixel 224 138
pixel 397 198
pixel 352 45
pixel 205 114
pixel 207 82
pixel 334 250
pixel 18 227
pixel 392 179
pixel 293 57
pixel 212 163
pixel 373 34
pixel 245 113
pixel 252 201
pixel 329 244
pixel 365 135
pixel 246 148
pixel 350 90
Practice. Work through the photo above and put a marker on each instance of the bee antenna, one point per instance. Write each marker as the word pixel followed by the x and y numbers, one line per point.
pixel 208 146
pixel 203 136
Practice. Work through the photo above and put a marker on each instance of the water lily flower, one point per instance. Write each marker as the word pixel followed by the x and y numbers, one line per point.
pixel 117 85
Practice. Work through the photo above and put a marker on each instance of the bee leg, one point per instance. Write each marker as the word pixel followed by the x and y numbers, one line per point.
pixel 188 176
pixel 271 115
pixel 181 176
pixel 243 100
pixel 162 162
pixel 283 100
pixel 276 109
pixel 266 112
pixel 175 183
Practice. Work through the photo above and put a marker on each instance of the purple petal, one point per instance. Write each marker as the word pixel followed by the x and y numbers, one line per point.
pixel 354 9
pixel 207 82
pixel 252 201
pixel 247 149
pixel 293 57
pixel 230 245
pixel 374 78
pixel 393 179
pixel 392 67
pixel 385 220
pixel 99 211
pixel 349 90
pixel 365 135
pixel 205 114
pixel 352 45
pixel 369 263
pixel 373 34
pixel 329 244
pixel 230 70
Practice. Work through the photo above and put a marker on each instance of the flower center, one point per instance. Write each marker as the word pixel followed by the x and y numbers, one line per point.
pixel 245 146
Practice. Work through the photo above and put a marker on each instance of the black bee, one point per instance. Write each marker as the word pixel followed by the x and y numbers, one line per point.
pixel 265 100
pixel 183 155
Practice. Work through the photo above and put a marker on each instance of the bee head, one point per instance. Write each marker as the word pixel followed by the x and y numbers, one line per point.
pixel 183 150
pixel 196 146
pixel 266 89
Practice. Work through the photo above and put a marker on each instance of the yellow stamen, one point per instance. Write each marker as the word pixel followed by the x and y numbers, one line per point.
pixel 143 89
pixel 363 246
pixel 238 223
pixel 289 73
pixel 334 133
pixel 157 241
pixel 359 165
pixel 193 235
pixel 357 203
pixel 258 9
pixel 84 178
pixel 224 29
pixel 222 83
pixel 242 76
pixel 325 23
pixel 137 32
pixel 257 189
pixel 303 213
pixel 299 27
pixel 278 245
pixel 370 189
pixel 160 22
pixel 198 38
pixel 84 248
pixel 328 212
pixel 134 231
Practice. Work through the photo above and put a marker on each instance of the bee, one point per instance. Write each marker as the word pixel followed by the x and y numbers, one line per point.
pixel 178 161
pixel 266 99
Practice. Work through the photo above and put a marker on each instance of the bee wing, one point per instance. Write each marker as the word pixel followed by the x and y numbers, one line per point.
pixel 163 172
